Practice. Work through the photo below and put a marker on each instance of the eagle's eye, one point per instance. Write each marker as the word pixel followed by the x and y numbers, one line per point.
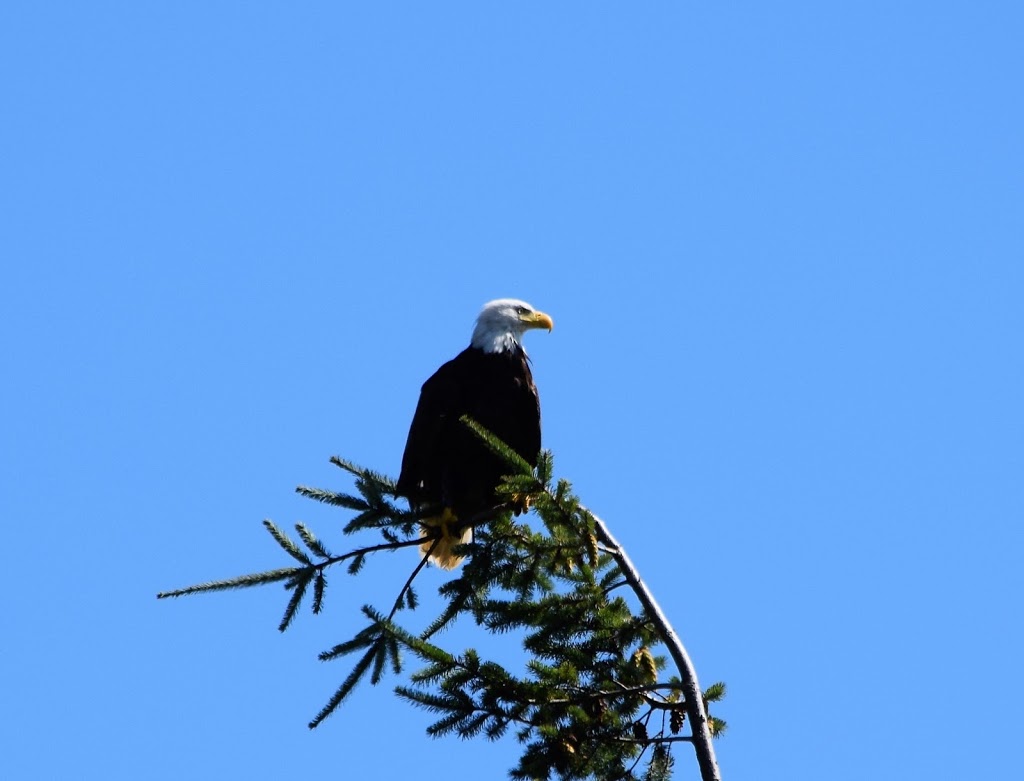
pixel 521 310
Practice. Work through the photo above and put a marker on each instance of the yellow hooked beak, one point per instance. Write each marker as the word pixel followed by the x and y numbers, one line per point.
pixel 538 320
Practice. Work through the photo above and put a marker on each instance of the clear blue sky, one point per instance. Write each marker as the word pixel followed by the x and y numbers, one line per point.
pixel 782 244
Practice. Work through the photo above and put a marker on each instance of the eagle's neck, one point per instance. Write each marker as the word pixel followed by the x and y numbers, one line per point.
pixel 495 341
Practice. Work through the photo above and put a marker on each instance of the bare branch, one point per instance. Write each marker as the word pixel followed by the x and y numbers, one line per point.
pixel 694 699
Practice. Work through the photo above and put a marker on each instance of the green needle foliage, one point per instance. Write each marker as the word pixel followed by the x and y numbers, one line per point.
pixel 594 699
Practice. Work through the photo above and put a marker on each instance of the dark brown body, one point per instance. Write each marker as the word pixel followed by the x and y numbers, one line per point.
pixel 445 464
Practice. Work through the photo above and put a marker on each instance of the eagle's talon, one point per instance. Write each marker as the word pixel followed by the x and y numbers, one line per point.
pixel 441 533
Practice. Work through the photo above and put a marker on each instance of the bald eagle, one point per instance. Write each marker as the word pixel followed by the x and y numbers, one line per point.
pixel 445 466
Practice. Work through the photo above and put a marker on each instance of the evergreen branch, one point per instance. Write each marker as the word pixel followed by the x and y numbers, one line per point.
pixel 395 654
pixel 311 541
pixel 471 726
pixel 242 581
pixel 545 466
pixel 714 692
pixel 319 585
pixel 293 604
pixel 381 480
pixel 498 447
pixel 456 606
pixel 435 703
pixel 288 573
pixel 423 649
pixel 661 764
pixel 346 688
pixel 447 724
pixel 388 546
pixel 382 516
pixel 356 564
pixel 332 498
pixel 380 658
pixel 461 710
pixel 364 638
pixel 283 540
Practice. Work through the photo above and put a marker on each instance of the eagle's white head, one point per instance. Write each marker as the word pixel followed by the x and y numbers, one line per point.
pixel 502 323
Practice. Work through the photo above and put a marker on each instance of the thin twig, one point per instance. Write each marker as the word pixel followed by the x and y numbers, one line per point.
pixel 613 586
pixel 654 741
pixel 321 566
pixel 408 583
pixel 622 691
pixel 635 762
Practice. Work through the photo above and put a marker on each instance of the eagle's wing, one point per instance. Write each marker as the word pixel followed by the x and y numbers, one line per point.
pixel 422 462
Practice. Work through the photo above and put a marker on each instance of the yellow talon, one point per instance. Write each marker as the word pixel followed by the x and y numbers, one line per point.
pixel 442 554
